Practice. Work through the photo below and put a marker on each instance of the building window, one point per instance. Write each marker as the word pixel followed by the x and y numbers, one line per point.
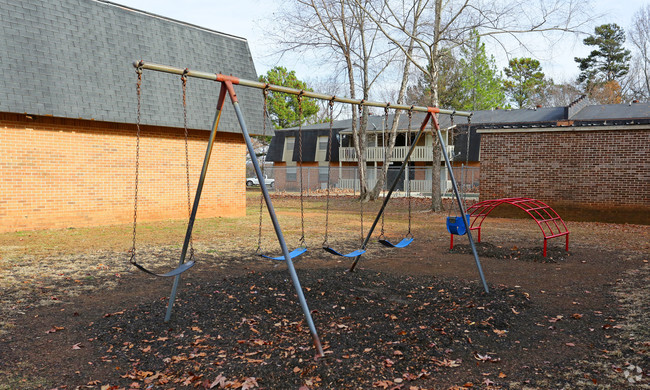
pixel 290 142
pixel 292 174
pixel 322 143
pixel 322 174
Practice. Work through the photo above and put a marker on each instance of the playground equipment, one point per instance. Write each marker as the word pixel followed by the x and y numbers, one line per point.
pixel 548 220
pixel 408 238
pixel 326 245
pixel 302 246
pixel 182 267
pixel 227 89
pixel 434 126
pixel 458 225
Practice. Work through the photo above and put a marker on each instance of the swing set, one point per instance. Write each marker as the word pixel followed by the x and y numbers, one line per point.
pixel 227 89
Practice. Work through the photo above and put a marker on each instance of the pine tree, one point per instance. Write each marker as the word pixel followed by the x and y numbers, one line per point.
pixel 449 84
pixel 525 84
pixel 284 108
pixel 610 61
pixel 481 85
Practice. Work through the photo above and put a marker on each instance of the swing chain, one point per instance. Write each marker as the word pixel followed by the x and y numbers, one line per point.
pixel 302 209
pixel 187 156
pixel 137 161
pixel 265 116
pixel 385 167
pixel 330 107
pixel 408 181
pixel 360 197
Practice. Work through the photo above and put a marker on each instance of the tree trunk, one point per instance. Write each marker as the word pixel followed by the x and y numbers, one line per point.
pixel 436 196
pixel 393 131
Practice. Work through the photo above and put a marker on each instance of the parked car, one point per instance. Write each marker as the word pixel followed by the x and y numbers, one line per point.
pixel 252 181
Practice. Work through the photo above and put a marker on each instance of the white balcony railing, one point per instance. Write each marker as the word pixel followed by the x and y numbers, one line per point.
pixel 417 186
pixel 376 154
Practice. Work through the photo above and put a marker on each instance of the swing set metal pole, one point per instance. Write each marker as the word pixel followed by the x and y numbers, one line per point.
pixel 392 188
pixel 274 220
pixel 293 91
pixel 461 206
pixel 197 198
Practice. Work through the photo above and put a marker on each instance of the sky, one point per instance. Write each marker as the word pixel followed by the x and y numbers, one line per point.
pixel 245 17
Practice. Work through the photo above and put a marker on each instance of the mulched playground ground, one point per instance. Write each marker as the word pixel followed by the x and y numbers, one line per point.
pixel 415 318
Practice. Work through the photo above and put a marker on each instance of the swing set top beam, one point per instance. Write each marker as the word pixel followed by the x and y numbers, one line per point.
pixel 277 88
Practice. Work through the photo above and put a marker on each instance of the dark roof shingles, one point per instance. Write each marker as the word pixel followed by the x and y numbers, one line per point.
pixel 73 58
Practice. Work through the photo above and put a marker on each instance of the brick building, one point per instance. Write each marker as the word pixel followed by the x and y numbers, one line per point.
pixel 590 162
pixel 68 114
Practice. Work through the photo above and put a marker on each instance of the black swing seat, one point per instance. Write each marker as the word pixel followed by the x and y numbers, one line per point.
pixel 402 244
pixel 294 253
pixel 182 268
pixel 355 253
pixel 456 225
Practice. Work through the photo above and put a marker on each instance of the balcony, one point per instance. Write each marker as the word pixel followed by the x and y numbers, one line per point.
pixel 376 154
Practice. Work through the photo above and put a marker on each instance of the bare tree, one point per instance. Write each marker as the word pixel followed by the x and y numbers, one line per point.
pixel 562 94
pixel 341 32
pixel 640 37
pixel 437 25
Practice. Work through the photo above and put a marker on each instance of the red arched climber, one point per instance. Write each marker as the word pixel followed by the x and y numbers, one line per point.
pixel 546 218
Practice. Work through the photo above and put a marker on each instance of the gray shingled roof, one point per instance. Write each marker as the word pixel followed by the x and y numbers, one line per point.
pixel 73 58
pixel 614 112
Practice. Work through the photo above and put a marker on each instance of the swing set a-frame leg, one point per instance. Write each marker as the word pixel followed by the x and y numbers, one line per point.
pixel 227 88
pixel 430 116
pixel 461 206
pixel 197 198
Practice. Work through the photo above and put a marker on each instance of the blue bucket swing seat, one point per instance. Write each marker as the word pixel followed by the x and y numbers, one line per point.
pixel 456 225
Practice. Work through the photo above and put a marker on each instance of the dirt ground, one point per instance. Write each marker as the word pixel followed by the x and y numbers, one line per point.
pixel 75 314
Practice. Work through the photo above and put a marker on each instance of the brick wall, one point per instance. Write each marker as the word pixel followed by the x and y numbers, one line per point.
pixel 58 173
pixel 585 175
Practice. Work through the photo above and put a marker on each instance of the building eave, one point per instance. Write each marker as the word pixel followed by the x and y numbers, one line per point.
pixel 573 128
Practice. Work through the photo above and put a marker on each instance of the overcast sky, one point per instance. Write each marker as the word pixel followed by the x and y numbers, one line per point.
pixel 244 17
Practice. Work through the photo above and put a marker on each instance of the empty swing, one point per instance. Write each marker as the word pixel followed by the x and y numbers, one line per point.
pixel 326 245
pixel 184 266
pixel 408 238
pixel 456 225
pixel 302 248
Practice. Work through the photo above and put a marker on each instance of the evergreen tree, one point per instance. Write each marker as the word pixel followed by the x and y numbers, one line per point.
pixel 610 61
pixel 525 84
pixel 480 85
pixel 283 108
pixel 449 82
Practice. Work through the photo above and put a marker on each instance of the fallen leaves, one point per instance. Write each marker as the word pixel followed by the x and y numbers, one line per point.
pixel 486 358
pixel 238 336
pixel 447 362
pixel 113 314
pixel 55 329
